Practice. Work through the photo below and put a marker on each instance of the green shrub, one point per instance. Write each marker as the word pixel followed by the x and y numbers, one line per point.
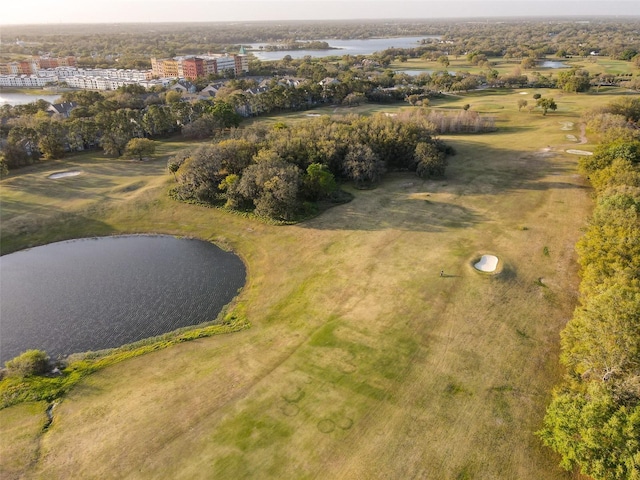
pixel 31 362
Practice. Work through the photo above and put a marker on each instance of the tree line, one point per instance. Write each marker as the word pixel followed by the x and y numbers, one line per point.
pixel 593 420
pixel 283 172
pixel 107 121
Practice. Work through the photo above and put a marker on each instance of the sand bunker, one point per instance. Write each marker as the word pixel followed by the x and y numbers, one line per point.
pixel 573 138
pixel 579 152
pixel 488 263
pixel 71 173
pixel 523 93
pixel 566 125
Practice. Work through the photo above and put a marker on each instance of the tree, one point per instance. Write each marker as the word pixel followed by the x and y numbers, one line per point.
pixel 4 168
pixel 443 60
pixel 140 147
pixel 602 340
pixel 547 104
pixel 528 63
pixel 200 174
pixel 51 146
pixel 353 99
pixel 174 163
pixel 117 129
pixel 172 97
pixel 593 432
pixel 272 185
pixel 362 165
pixel 574 80
pixel 430 162
pixel 157 120
pixel 200 128
pixel 31 362
pixel 319 182
pixel 225 115
pixel 522 103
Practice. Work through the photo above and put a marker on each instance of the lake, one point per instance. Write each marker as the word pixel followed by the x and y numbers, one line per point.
pixel 553 64
pixel 343 47
pixel 97 293
pixel 24 98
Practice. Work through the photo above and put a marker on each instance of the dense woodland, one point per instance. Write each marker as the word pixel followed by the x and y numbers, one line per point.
pixel 593 421
pixel 283 171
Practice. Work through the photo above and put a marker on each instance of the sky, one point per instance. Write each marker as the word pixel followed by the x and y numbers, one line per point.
pixel 16 12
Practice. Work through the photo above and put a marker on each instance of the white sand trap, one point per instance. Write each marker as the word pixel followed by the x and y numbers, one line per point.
pixel 579 152
pixel 488 263
pixel 71 173
pixel 573 138
pixel 566 125
pixel 313 115
pixel 523 93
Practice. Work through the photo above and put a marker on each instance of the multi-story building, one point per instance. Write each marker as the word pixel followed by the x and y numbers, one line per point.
pixel 157 67
pixel 192 68
pixel 199 66
pixel 23 81
pixel 210 66
pixel 170 67
pixel 53 62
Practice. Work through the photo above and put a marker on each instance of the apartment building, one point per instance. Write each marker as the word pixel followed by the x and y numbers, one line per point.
pixel 193 67
pixel 27 81
pixel 53 62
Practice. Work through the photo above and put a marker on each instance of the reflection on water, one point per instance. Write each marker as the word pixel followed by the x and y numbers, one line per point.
pixel 100 293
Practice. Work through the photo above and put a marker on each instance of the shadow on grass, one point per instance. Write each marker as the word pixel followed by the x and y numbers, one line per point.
pixel 479 168
pixel 479 171
pixel 401 202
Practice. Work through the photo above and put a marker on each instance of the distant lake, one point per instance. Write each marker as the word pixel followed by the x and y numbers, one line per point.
pixel 415 73
pixel 98 293
pixel 24 98
pixel 344 47
pixel 553 64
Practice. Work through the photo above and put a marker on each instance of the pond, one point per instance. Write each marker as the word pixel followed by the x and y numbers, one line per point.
pixel 342 47
pixel 97 293
pixel 7 98
pixel 553 64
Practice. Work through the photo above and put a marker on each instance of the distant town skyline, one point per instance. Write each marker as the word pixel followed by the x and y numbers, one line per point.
pixel 142 11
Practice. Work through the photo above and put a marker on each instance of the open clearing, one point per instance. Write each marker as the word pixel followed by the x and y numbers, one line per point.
pixel 362 361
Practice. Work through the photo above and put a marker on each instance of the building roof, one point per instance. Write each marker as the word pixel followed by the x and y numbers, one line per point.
pixel 62 108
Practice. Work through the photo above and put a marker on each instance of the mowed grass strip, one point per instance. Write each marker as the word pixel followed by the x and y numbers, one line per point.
pixel 362 361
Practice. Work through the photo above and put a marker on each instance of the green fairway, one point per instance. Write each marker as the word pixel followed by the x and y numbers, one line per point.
pixel 593 65
pixel 362 361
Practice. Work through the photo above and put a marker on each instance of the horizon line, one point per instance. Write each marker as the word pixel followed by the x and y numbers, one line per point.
pixel 344 20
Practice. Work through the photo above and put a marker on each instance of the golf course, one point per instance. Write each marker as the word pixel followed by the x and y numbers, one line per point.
pixel 371 347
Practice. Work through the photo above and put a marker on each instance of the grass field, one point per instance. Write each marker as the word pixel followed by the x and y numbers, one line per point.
pixel 362 361
pixel 504 67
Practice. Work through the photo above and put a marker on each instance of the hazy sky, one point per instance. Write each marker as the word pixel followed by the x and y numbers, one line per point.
pixel 86 11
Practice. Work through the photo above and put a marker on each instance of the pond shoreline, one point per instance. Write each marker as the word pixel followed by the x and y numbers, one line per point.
pixel 99 293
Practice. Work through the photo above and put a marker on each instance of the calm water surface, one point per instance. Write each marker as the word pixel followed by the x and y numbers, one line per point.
pixel 343 47
pixel 552 64
pixel 105 292
pixel 23 98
